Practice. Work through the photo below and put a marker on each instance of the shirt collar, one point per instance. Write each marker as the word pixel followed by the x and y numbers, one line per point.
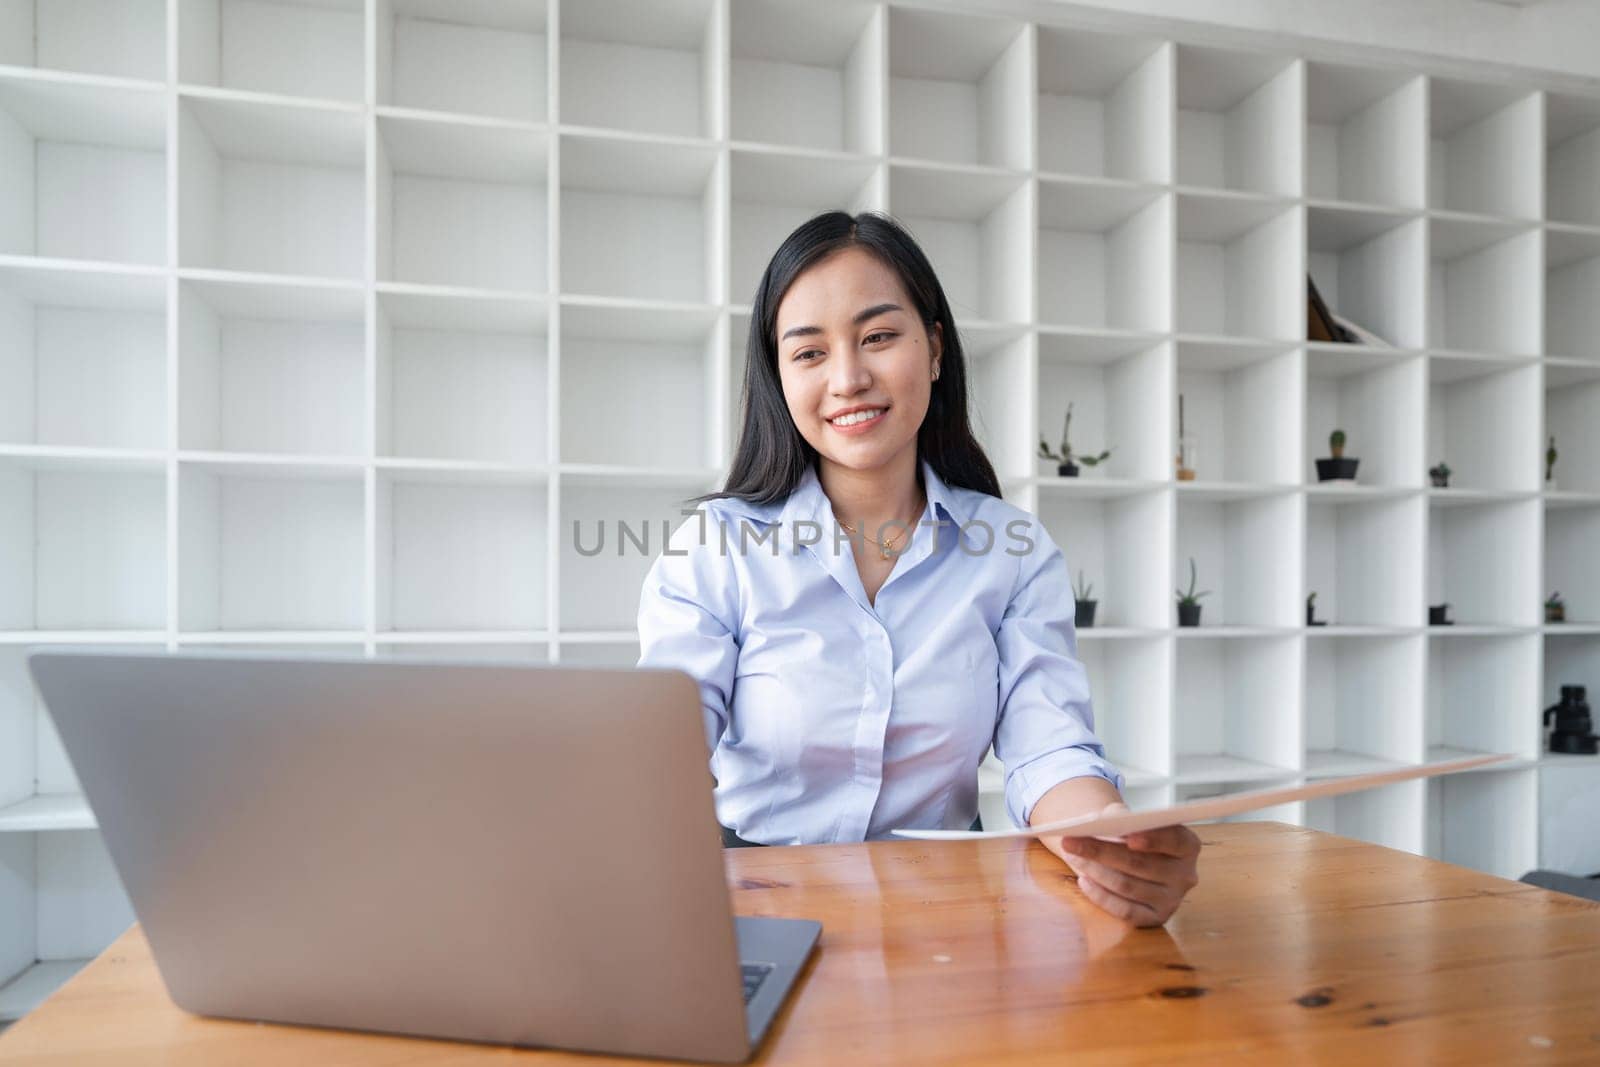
pixel 808 501
pixel 940 496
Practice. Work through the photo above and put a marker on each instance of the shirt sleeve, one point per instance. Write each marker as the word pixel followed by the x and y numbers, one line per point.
pixel 1044 733
pixel 688 616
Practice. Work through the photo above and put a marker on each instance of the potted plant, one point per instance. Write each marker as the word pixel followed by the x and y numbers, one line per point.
pixel 1439 615
pixel 1189 603
pixel 1555 609
pixel 1085 606
pixel 1550 464
pixel 1066 461
pixel 1337 469
pixel 1440 475
pixel 1311 612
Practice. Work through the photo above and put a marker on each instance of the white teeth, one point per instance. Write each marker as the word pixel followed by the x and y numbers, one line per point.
pixel 857 416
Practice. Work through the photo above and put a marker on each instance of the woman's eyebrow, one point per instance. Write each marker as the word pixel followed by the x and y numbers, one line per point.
pixel 861 316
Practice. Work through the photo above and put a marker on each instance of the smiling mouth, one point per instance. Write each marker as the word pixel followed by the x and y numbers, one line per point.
pixel 857 418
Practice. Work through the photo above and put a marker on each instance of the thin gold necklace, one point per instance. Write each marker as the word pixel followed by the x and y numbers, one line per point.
pixel 883 546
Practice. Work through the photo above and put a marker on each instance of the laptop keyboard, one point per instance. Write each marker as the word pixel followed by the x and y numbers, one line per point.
pixel 754 975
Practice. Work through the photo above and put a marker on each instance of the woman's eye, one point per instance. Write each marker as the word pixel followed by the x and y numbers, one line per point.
pixel 800 357
pixel 880 335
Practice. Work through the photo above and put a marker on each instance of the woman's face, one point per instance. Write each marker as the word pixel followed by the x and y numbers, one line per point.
pixel 850 340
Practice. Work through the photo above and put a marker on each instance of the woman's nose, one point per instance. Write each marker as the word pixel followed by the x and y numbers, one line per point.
pixel 849 373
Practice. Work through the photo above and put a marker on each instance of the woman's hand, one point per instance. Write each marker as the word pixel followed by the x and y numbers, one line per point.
pixel 1142 878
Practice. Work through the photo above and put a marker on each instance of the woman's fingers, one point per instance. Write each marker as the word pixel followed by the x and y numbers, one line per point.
pixel 1141 879
pixel 1150 866
pixel 1132 911
pixel 1148 884
pixel 1153 894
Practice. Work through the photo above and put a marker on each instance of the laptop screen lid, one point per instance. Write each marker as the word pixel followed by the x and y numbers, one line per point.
pixel 504 853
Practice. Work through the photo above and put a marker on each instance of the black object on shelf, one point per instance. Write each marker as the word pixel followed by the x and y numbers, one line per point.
pixel 1067 470
pixel 1338 467
pixel 1571 726
pixel 1555 609
pixel 1329 470
pixel 1189 600
pixel 1084 602
pixel 1439 615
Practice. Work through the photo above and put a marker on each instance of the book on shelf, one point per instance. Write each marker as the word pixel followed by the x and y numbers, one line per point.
pixel 1325 324
pixel 1320 323
pixel 1359 334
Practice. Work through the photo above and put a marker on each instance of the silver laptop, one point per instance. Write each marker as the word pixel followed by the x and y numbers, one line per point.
pixel 501 853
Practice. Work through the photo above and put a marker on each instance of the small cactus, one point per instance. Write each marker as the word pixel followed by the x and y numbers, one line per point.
pixel 1336 444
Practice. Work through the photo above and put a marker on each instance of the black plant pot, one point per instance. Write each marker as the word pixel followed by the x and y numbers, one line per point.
pixel 1343 468
pixel 1067 470
pixel 1439 615
pixel 1085 616
pixel 1188 614
pixel 1311 617
pixel 1440 481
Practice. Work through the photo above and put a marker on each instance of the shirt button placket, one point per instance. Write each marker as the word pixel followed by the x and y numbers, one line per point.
pixel 877 699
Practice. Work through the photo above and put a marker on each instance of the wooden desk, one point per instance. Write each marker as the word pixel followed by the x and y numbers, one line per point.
pixel 1296 947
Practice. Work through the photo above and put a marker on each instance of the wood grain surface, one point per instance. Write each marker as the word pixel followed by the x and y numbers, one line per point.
pixel 1297 947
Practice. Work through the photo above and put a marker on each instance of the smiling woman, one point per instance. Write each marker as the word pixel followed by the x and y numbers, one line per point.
pixel 849 693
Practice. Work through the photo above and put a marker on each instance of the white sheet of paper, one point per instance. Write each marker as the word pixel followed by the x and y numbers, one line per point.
pixel 1132 822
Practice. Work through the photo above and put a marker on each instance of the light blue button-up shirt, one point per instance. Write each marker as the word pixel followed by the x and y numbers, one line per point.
pixel 833 718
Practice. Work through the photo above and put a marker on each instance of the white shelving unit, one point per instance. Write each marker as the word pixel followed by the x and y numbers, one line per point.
pixel 375 326
pixel 84 167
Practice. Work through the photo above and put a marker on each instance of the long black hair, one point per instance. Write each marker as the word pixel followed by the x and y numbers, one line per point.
pixel 772 456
